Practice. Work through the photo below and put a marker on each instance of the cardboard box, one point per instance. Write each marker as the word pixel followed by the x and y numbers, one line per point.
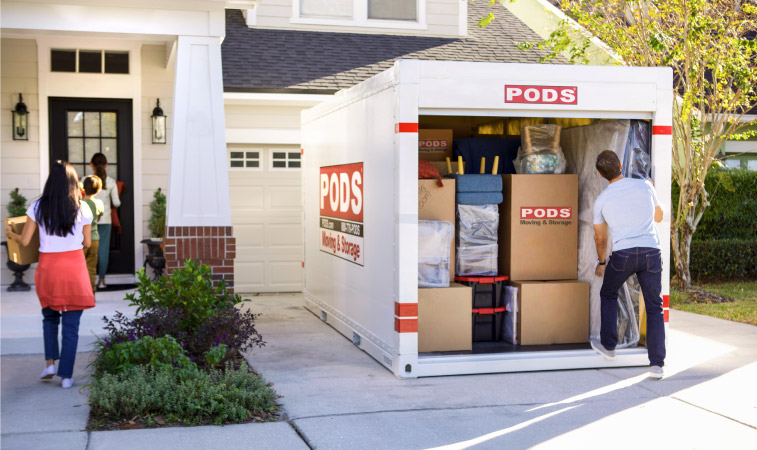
pixel 438 203
pixel 18 253
pixel 552 312
pixel 444 319
pixel 434 145
pixel 538 227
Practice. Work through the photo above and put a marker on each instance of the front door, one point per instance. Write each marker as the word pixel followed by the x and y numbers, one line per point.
pixel 79 128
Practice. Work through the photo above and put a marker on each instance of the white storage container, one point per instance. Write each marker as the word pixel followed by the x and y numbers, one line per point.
pixel 360 181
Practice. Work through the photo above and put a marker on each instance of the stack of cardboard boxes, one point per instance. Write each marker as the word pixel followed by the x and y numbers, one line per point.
pixel 538 237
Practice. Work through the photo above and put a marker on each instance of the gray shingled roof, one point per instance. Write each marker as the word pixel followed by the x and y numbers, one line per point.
pixel 265 60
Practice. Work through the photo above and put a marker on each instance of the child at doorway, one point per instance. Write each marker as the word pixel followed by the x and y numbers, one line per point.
pixel 92 185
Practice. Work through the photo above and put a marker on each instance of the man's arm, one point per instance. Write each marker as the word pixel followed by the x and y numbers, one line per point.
pixel 658 214
pixel 600 241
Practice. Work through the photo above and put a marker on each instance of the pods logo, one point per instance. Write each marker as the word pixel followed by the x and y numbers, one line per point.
pixel 539 212
pixel 551 95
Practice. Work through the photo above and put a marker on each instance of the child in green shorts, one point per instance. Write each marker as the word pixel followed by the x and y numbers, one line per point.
pixel 92 186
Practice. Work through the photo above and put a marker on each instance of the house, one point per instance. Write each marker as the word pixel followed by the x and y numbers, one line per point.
pixel 232 77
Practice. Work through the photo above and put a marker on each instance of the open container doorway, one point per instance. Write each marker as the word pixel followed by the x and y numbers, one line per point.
pixel 373 127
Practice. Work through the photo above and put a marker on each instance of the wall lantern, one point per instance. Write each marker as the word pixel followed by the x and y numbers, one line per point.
pixel 158 125
pixel 20 121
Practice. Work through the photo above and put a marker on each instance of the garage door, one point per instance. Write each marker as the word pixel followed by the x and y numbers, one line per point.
pixel 266 212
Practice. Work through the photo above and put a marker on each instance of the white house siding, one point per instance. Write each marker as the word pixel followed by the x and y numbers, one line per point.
pixel 20 159
pixel 442 19
pixel 157 82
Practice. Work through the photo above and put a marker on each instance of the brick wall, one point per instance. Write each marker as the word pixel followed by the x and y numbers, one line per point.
pixel 213 246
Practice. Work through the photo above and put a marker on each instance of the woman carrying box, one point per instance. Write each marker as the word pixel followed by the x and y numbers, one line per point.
pixel 61 279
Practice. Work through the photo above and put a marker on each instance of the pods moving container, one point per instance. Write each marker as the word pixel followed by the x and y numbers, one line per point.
pixel 360 187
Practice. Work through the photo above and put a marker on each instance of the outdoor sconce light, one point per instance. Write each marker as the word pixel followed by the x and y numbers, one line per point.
pixel 20 121
pixel 158 125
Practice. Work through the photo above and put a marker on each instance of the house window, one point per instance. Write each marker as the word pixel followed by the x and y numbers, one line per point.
pixel 245 159
pixel 733 163
pixel 371 13
pixel 752 164
pixel 89 61
pixel 283 160
pixel 393 9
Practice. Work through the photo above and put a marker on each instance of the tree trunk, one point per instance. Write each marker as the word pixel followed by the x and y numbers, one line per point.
pixel 681 253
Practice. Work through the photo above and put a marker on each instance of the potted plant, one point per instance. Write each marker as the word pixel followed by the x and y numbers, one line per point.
pixel 16 208
pixel 157 228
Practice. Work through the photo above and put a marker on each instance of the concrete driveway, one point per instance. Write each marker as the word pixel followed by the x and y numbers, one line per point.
pixel 337 397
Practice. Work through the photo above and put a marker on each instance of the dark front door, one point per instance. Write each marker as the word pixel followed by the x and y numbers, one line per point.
pixel 79 128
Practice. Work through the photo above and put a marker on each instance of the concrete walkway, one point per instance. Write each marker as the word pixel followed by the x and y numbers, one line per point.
pixel 337 397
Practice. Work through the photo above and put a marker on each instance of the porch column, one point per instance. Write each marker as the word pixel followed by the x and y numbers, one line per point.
pixel 198 222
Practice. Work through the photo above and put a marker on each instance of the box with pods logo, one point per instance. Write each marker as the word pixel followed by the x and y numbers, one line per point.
pixel 538 231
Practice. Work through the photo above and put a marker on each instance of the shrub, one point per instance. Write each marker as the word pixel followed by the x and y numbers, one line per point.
pixel 732 213
pixel 163 352
pixel 17 205
pixel 157 223
pixel 721 260
pixel 219 396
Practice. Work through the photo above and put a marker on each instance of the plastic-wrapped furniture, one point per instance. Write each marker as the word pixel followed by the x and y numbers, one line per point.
pixel 434 240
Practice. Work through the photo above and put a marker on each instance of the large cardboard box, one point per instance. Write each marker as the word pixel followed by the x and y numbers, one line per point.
pixel 18 253
pixel 444 319
pixel 552 312
pixel 434 145
pixel 438 203
pixel 538 227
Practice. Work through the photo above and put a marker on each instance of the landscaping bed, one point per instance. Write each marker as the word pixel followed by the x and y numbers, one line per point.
pixel 180 360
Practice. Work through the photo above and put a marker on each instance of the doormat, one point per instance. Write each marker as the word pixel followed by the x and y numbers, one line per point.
pixel 117 287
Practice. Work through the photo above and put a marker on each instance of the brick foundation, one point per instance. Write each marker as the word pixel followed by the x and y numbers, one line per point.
pixel 213 246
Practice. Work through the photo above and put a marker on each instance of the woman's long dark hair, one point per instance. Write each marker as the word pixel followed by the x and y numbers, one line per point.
pixel 99 161
pixel 59 204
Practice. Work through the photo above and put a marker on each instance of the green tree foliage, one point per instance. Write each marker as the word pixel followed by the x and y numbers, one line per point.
pixel 712 49
pixel 157 223
pixel 17 205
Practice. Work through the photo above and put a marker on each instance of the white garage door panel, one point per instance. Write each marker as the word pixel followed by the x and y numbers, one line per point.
pixel 266 212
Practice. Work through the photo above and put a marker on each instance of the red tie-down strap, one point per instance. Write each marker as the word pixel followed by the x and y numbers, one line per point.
pixel 488 311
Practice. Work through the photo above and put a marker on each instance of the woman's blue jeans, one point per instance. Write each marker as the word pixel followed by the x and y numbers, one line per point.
pixel 103 251
pixel 67 354
pixel 646 263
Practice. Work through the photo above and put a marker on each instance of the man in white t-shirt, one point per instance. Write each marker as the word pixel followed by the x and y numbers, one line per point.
pixel 628 207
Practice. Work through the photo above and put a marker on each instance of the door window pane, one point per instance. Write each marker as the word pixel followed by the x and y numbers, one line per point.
pixel 79 170
pixel 63 60
pixel 75 150
pixel 116 62
pixel 91 124
pixel 90 62
pixel 326 8
pixel 393 9
pixel 75 123
pixel 108 120
pixel 109 148
pixel 112 171
pixel 91 146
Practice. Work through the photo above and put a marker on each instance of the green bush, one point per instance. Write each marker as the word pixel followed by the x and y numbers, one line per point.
pixel 219 396
pixel 721 260
pixel 189 289
pixel 161 353
pixel 17 205
pixel 732 213
pixel 157 223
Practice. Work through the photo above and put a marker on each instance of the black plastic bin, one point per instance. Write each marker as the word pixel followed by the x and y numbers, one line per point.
pixel 488 292
pixel 487 324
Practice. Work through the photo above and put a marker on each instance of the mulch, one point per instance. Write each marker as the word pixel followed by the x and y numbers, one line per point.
pixel 697 295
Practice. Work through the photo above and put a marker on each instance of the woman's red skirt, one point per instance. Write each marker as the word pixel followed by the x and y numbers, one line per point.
pixel 62 281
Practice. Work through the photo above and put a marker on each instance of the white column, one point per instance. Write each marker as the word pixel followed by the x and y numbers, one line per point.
pixel 198 182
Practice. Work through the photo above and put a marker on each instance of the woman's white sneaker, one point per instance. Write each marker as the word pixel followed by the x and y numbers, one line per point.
pixel 48 372
pixel 67 383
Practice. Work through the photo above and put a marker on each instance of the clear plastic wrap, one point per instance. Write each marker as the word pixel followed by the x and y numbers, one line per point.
pixel 582 145
pixel 636 160
pixel 477 225
pixel 540 151
pixel 477 260
pixel 434 240
pixel 510 326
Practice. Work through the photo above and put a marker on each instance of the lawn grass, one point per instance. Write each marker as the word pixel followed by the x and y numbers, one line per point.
pixel 743 309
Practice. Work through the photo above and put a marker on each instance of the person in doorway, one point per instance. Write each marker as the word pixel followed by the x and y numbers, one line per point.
pixel 628 207
pixel 109 196
pixel 91 186
pixel 61 278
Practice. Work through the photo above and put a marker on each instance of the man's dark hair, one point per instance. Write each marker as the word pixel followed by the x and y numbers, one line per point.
pixel 608 164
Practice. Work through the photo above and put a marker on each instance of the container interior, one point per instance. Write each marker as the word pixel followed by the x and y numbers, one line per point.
pixel 464 127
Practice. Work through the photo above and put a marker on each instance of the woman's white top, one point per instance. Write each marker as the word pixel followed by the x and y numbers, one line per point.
pixel 106 195
pixel 50 243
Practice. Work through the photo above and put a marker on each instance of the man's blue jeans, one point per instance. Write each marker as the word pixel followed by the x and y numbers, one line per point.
pixel 646 263
pixel 67 355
